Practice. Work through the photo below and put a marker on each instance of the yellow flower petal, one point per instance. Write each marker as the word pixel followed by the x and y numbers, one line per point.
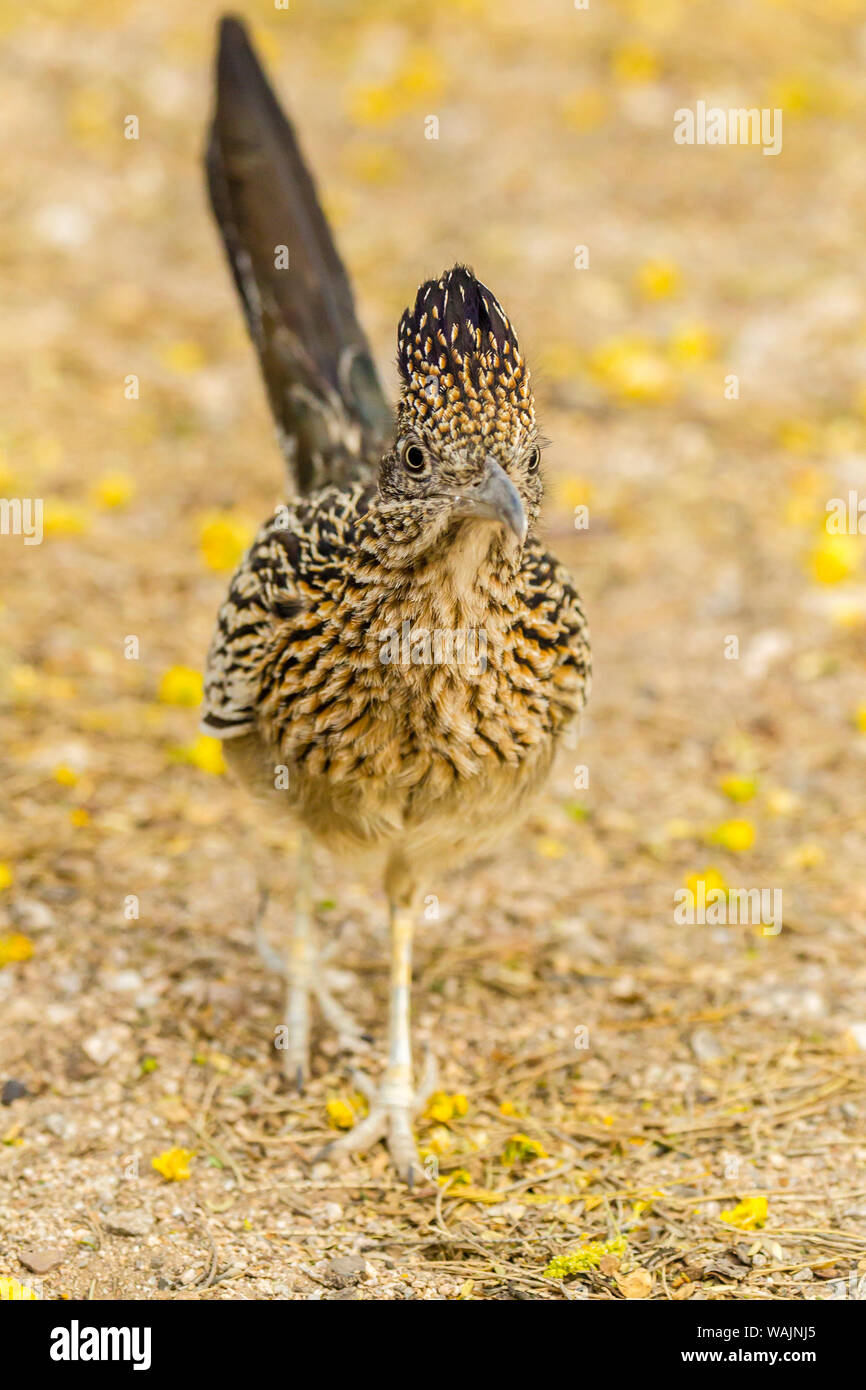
pixel 633 369
pixel 798 436
pixel 658 279
pixel 114 490
pixel 585 1258
pixel 181 685
pixel 373 105
pixel 184 357
pixel 739 788
pixel 173 1164
pixel 223 538
pixel 634 62
pixel 691 344
pixel 711 879
pixel 734 835
pixel 442 1107
pixel 519 1148
pixel 64 519
pixel 205 753
pixel 747 1215
pixel 15 947
pixel 340 1114
pixel 835 558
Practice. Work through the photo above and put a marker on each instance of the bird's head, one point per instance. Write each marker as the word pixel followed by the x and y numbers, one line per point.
pixel 466 454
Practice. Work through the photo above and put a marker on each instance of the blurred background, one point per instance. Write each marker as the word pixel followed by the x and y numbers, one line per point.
pixel 695 320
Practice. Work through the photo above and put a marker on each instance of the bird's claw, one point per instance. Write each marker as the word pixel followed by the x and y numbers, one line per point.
pixel 393 1106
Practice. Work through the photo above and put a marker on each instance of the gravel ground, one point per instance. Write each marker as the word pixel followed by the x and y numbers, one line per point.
pixel 678 1110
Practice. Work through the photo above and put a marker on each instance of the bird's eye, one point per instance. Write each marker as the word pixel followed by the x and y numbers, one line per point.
pixel 533 459
pixel 414 460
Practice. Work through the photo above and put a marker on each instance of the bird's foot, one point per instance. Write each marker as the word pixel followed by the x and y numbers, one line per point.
pixel 350 1038
pixel 309 977
pixel 393 1106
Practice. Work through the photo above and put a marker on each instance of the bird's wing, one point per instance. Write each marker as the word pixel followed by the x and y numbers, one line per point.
pixel 555 632
pixel 264 590
pixel 322 384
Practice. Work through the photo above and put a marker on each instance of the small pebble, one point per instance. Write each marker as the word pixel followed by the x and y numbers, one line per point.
pixel 40 1259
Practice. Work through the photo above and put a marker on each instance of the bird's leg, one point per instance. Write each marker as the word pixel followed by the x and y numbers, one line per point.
pixel 299 973
pixel 304 967
pixel 394 1104
pixel 397 1096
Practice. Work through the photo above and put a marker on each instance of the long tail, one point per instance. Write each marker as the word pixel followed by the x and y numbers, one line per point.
pixel 322 385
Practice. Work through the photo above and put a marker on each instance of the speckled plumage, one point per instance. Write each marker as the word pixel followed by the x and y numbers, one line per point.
pixel 397 655
pixel 413 759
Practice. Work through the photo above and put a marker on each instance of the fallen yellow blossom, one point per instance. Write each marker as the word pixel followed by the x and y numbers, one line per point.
pixel 710 878
pixel 7 878
pixel 575 492
pixel 114 490
pixel 66 776
pixel 173 1164
pixel 798 436
pixel 340 1114
pixel 181 685
pixel 64 519
pixel 632 368
pixel 739 788
pixel 223 537
pixel 15 947
pixel 184 356
pixel 644 1203
pixel 633 63
pixel 734 835
pixel 691 344
pixel 658 279
pixel 420 75
pixel 373 104
pixel 205 753
pixel 519 1148
pixel 860 717
pixel 442 1107
pixel 458 1177
pixel 747 1215
pixel 587 1257
pixel 439 1141
pixel 835 558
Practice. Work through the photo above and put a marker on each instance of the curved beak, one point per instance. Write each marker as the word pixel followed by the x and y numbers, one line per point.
pixel 495 498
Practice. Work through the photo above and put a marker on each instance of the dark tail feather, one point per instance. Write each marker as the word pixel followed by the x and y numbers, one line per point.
pixel 321 381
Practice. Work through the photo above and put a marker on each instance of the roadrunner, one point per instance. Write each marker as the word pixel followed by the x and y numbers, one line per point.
pixel 398 656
